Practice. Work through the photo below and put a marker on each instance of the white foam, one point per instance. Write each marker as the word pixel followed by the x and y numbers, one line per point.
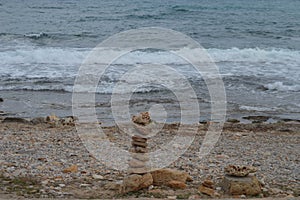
pixel 41 62
pixel 281 87
pixel 50 62
pixel 38 87
pixel 256 55
pixel 255 108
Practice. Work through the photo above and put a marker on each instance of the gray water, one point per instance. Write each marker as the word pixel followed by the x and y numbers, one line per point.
pixel 255 44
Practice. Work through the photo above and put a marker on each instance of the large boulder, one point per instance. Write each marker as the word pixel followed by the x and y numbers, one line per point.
pixel 165 176
pixel 248 185
pixel 135 182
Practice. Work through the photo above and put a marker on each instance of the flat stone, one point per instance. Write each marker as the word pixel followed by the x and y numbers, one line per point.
pixel 241 185
pixel 140 156
pixel 136 163
pixel 139 144
pixel 115 186
pixel 140 170
pixel 206 190
pixel 233 120
pixel 97 177
pixel 138 150
pixel 208 183
pixel 139 139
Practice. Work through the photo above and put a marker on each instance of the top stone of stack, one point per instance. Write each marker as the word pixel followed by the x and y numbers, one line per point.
pixel 239 171
pixel 142 119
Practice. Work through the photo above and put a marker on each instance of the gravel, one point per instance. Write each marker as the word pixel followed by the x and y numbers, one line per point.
pixel 33 158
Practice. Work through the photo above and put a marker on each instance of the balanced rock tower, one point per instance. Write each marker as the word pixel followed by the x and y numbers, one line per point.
pixel 139 176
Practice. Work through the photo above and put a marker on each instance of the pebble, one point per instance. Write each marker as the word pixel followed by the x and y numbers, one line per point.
pixel 97 177
pixel 84 185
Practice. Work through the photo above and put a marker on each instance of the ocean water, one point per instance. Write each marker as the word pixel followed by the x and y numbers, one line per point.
pixel 255 44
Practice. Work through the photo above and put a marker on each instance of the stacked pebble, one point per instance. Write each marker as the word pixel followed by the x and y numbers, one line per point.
pixel 139 157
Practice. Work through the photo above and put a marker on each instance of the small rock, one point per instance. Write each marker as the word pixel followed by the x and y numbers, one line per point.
pixel 97 177
pixel 57 188
pixel 52 118
pixel 1 100
pixel 218 188
pixel 84 185
pixel 71 169
pixel 68 121
pixel 42 159
pixel 176 185
pixel 38 120
pixel 172 197
pixel 221 156
pixel 264 190
pixel 233 120
pixel 206 190
pixel 150 187
pixel 262 182
pixel 45 182
pixel 116 186
pixel 194 197
pixel 208 183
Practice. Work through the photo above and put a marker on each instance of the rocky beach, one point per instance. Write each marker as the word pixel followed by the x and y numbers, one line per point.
pixel 45 158
pixel 80 79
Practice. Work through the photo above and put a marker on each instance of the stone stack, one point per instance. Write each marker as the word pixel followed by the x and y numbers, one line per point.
pixel 139 150
pixel 139 176
pixel 139 157
pixel 238 181
pixel 208 188
pixel 139 168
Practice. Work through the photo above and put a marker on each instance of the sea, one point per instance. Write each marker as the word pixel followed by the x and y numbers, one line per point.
pixel 255 45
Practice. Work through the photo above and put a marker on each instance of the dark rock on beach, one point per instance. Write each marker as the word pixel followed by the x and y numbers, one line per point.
pixel 15 120
pixel 257 118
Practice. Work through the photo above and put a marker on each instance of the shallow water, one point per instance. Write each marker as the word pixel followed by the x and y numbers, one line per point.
pixel 256 46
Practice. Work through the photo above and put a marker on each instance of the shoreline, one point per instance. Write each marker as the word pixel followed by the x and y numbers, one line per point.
pixel 42 151
pixel 22 104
